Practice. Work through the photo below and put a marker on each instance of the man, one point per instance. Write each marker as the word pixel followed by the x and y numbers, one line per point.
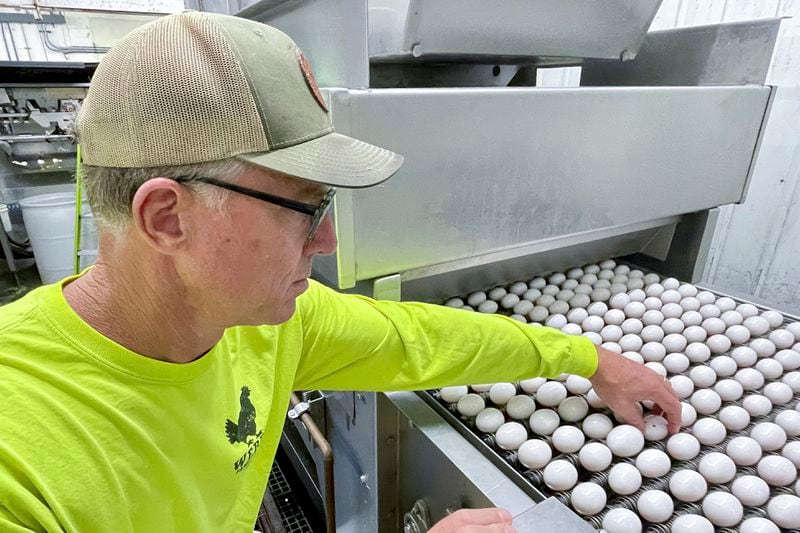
pixel 148 394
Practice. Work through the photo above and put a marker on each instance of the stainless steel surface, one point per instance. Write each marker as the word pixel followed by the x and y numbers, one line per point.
pixel 734 53
pixel 332 35
pixel 585 163
pixel 468 29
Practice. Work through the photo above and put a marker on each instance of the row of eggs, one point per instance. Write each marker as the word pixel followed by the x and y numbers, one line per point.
pixel 668 326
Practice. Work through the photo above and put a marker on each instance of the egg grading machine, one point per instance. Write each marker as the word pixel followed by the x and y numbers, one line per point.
pixel 503 180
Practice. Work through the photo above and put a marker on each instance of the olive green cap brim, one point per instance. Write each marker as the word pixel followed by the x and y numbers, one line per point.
pixel 332 159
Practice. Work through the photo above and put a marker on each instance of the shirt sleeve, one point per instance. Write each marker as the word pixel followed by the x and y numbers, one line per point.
pixel 352 342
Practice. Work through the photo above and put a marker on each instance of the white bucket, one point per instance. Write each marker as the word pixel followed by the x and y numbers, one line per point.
pixel 50 224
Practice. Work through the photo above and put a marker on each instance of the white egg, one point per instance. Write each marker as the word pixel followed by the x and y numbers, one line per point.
pixel 671 296
pixel 682 386
pixel 570 284
pixel 488 307
pixel 593 323
pixel 594 400
pixel 655 290
pixel 622 269
pixel 709 311
pixel 744 356
pixel 619 301
pixel 501 393
pixel 578 385
pixel 636 273
pixel 600 295
pixel 532 295
pixel 695 334
pixel 588 499
pixel 476 298
pixel 706 297
pixel 551 394
pixel 653 351
pixel 635 310
pixel 511 435
pixel 770 369
pixel 538 314
pixel 652 334
pixel 757 405
pixel 634 356
pixel 655 506
pixel 688 486
pixel 738 334
pixel 726 304
pixel 523 308
pixel 651 278
pixel 551 290
pixel 792 452
pixel 596 339
pixel 729 390
pixel 573 409
pixel 595 457
pixel 630 343
pixel 672 325
pixel 751 491
pixel 674 343
pixel 481 387
pixel 655 427
pixel 723 365
pixel 537 283
pixel 717 468
pixel 497 294
pixel 611 333
pixel 734 418
pixel 625 441
pixel 794 329
pixel 632 326
pixel 706 402
pixel 572 329
pixel 722 509
pixel 534 454
pixel 750 378
pixel 782 338
pixel 577 316
pixel 544 421
pixel 652 318
pixel 672 311
pixel 470 404
pixel 589 278
pixel 560 475
pixel 545 300
pixel 718 343
pixel 789 420
pixel 620 520
pixel 637 295
pixel 652 303
pixel 601 284
pixel 520 407
pixel 789 359
pixel 713 326
pixel 773 318
pixel 568 439
pixel 703 376
pixel 456 303
pixel 597 426
pixel 624 479
pixel 688 415
pixel 731 318
pixel 532 385
pixel 519 318
pixel 453 394
pixel 690 304
pixel 744 451
pixel 575 273
pixel 697 352
pixel 757 524
pixel 653 463
pixel 509 301
pixel 777 471
pixel 709 431
pixel 692 523
pixel 756 325
pixel 692 318
pixel 612 347
pixel 559 307
pixel 565 295
pixel 793 380
pixel 784 510
pixel 489 420
pixel 676 363
pixel 769 435
pixel 763 347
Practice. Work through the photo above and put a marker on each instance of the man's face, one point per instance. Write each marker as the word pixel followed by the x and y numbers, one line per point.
pixel 253 258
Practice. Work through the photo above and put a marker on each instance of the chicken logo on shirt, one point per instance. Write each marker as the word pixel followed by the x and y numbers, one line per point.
pixel 245 431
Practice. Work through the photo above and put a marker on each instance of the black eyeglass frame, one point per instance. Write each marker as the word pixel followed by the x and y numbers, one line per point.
pixel 316 212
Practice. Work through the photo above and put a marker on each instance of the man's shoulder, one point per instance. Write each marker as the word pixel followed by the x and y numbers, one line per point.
pixel 18 311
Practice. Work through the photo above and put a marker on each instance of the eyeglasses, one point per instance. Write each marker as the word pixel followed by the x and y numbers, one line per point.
pixel 316 212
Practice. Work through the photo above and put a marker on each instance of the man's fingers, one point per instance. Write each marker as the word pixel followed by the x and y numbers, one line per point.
pixel 489 516
pixel 494 528
pixel 631 415
pixel 670 407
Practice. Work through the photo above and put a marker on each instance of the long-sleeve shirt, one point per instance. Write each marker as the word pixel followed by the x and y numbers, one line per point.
pixel 94 437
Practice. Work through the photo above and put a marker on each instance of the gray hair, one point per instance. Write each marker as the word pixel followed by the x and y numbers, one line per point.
pixel 111 189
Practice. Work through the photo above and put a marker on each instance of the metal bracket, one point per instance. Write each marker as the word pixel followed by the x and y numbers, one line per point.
pixel 418 519
pixel 387 288
pixel 309 398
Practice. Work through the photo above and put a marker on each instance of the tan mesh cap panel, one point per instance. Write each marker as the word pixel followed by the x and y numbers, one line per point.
pixel 169 93
pixel 195 87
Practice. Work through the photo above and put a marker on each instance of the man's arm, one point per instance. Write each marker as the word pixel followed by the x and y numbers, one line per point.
pixel 356 343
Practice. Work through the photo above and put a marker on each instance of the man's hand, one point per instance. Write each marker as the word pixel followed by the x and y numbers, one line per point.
pixel 475 521
pixel 621 383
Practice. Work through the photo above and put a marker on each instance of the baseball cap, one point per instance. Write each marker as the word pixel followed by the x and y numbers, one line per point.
pixel 195 87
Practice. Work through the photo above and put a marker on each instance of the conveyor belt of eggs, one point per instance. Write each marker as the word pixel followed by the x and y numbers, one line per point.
pixel 733 466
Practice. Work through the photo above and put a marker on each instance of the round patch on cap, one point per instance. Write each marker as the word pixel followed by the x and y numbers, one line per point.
pixel 308 74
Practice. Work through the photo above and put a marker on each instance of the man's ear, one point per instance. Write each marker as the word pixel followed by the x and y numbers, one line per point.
pixel 159 211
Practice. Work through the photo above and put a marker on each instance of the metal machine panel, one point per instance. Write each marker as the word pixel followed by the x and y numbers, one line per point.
pixel 736 53
pixel 470 29
pixel 492 170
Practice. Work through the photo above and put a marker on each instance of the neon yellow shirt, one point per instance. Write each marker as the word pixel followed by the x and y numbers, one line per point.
pixel 94 437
